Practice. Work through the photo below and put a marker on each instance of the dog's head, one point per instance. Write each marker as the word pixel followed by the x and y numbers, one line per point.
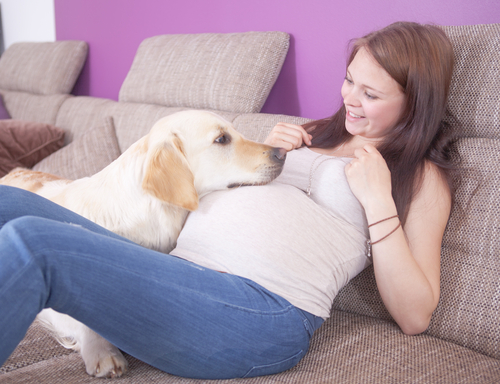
pixel 192 153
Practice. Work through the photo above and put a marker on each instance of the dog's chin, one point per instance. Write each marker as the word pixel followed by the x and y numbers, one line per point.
pixel 271 174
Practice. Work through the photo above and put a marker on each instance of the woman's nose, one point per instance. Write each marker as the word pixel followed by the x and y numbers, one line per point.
pixel 350 97
pixel 353 99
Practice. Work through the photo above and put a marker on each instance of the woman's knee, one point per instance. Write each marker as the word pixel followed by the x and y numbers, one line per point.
pixel 14 203
pixel 16 230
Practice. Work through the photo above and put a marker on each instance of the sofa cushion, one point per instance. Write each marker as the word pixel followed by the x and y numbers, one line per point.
pixel 42 68
pixel 4 114
pixel 231 72
pixel 346 349
pixel 86 155
pixel 38 345
pixel 475 89
pixel 467 313
pixel 31 107
pixel 24 143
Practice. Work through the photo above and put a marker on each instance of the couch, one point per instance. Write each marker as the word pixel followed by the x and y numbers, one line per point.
pixel 233 74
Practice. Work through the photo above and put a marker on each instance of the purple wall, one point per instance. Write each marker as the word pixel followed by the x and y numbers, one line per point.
pixel 309 84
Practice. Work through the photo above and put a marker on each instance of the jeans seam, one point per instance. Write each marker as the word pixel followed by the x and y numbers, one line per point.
pixel 301 352
pixel 306 323
pixel 261 312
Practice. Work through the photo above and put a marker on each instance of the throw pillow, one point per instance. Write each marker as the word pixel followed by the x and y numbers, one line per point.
pixel 24 143
pixel 4 114
pixel 85 155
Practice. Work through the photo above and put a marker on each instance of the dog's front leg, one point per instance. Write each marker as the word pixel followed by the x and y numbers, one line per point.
pixel 101 358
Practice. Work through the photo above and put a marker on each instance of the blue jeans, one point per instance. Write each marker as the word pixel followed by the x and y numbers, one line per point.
pixel 175 315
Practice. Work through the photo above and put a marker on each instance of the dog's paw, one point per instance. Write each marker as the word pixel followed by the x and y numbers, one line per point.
pixel 109 367
pixel 104 360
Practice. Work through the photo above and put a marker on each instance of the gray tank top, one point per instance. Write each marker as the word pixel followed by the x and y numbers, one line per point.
pixel 302 247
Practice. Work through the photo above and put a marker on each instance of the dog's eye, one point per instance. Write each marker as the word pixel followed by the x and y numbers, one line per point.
pixel 223 139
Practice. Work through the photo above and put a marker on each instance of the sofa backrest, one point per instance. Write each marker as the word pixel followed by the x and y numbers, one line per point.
pixel 231 72
pixel 469 309
pixel 36 78
pixel 42 68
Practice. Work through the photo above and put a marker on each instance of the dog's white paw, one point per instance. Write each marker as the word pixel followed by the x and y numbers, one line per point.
pixel 103 359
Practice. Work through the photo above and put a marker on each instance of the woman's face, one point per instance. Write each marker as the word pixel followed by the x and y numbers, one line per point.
pixel 374 101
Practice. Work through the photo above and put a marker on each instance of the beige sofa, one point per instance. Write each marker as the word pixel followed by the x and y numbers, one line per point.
pixel 233 75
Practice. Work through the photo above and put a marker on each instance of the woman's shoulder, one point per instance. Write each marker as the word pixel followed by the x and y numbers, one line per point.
pixel 434 177
pixel 434 194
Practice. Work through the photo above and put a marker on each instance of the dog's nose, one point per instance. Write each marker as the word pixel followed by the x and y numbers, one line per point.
pixel 278 155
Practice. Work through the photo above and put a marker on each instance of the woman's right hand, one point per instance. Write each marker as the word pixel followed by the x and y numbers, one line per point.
pixel 288 136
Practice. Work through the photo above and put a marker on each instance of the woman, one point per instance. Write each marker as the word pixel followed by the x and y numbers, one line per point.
pixel 395 94
pixel 383 154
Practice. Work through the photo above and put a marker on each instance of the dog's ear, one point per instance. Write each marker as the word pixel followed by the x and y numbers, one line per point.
pixel 169 178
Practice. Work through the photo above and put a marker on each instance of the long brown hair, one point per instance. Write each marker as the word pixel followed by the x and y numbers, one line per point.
pixel 420 58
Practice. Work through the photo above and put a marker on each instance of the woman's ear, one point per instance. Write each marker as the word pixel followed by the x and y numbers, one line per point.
pixel 168 176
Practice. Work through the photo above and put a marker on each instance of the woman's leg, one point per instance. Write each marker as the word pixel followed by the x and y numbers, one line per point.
pixel 15 202
pixel 175 315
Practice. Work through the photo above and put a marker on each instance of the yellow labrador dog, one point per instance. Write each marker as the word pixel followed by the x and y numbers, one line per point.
pixel 145 196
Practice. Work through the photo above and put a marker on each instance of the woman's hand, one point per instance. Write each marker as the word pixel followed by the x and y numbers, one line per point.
pixel 370 179
pixel 288 136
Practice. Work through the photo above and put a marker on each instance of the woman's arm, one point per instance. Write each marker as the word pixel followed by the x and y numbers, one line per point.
pixel 406 263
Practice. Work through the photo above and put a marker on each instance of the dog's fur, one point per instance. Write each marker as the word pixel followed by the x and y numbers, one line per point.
pixel 145 196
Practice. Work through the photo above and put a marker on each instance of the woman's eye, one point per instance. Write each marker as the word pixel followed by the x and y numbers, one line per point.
pixel 223 139
pixel 370 96
pixel 348 80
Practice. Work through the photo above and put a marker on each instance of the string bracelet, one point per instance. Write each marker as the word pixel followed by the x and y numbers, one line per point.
pixel 369 243
pixel 381 221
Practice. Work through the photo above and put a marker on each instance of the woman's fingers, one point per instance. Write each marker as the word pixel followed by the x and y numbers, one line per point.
pixel 288 136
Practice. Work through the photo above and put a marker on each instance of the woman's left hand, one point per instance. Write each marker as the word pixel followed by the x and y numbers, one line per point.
pixel 369 177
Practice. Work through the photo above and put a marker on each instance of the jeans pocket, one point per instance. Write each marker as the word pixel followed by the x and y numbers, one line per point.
pixel 269 369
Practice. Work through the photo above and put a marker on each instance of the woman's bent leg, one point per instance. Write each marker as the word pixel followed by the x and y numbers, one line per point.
pixel 175 315
pixel 15 202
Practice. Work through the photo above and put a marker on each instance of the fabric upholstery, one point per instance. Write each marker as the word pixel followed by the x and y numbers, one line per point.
pixel 42 68
pixel 86 155
pixel 229 72
pixel 78 114
pixel 4 114
pixel 474 93
pixel 468 312
pixel 38 345
pixel 346 349
pixel 24 143
pixel 31 107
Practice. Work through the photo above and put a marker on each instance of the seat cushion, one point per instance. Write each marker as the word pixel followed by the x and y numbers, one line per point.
pixel 348 348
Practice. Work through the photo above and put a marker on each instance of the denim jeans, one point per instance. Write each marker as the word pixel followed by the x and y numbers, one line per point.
pixel 175 315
